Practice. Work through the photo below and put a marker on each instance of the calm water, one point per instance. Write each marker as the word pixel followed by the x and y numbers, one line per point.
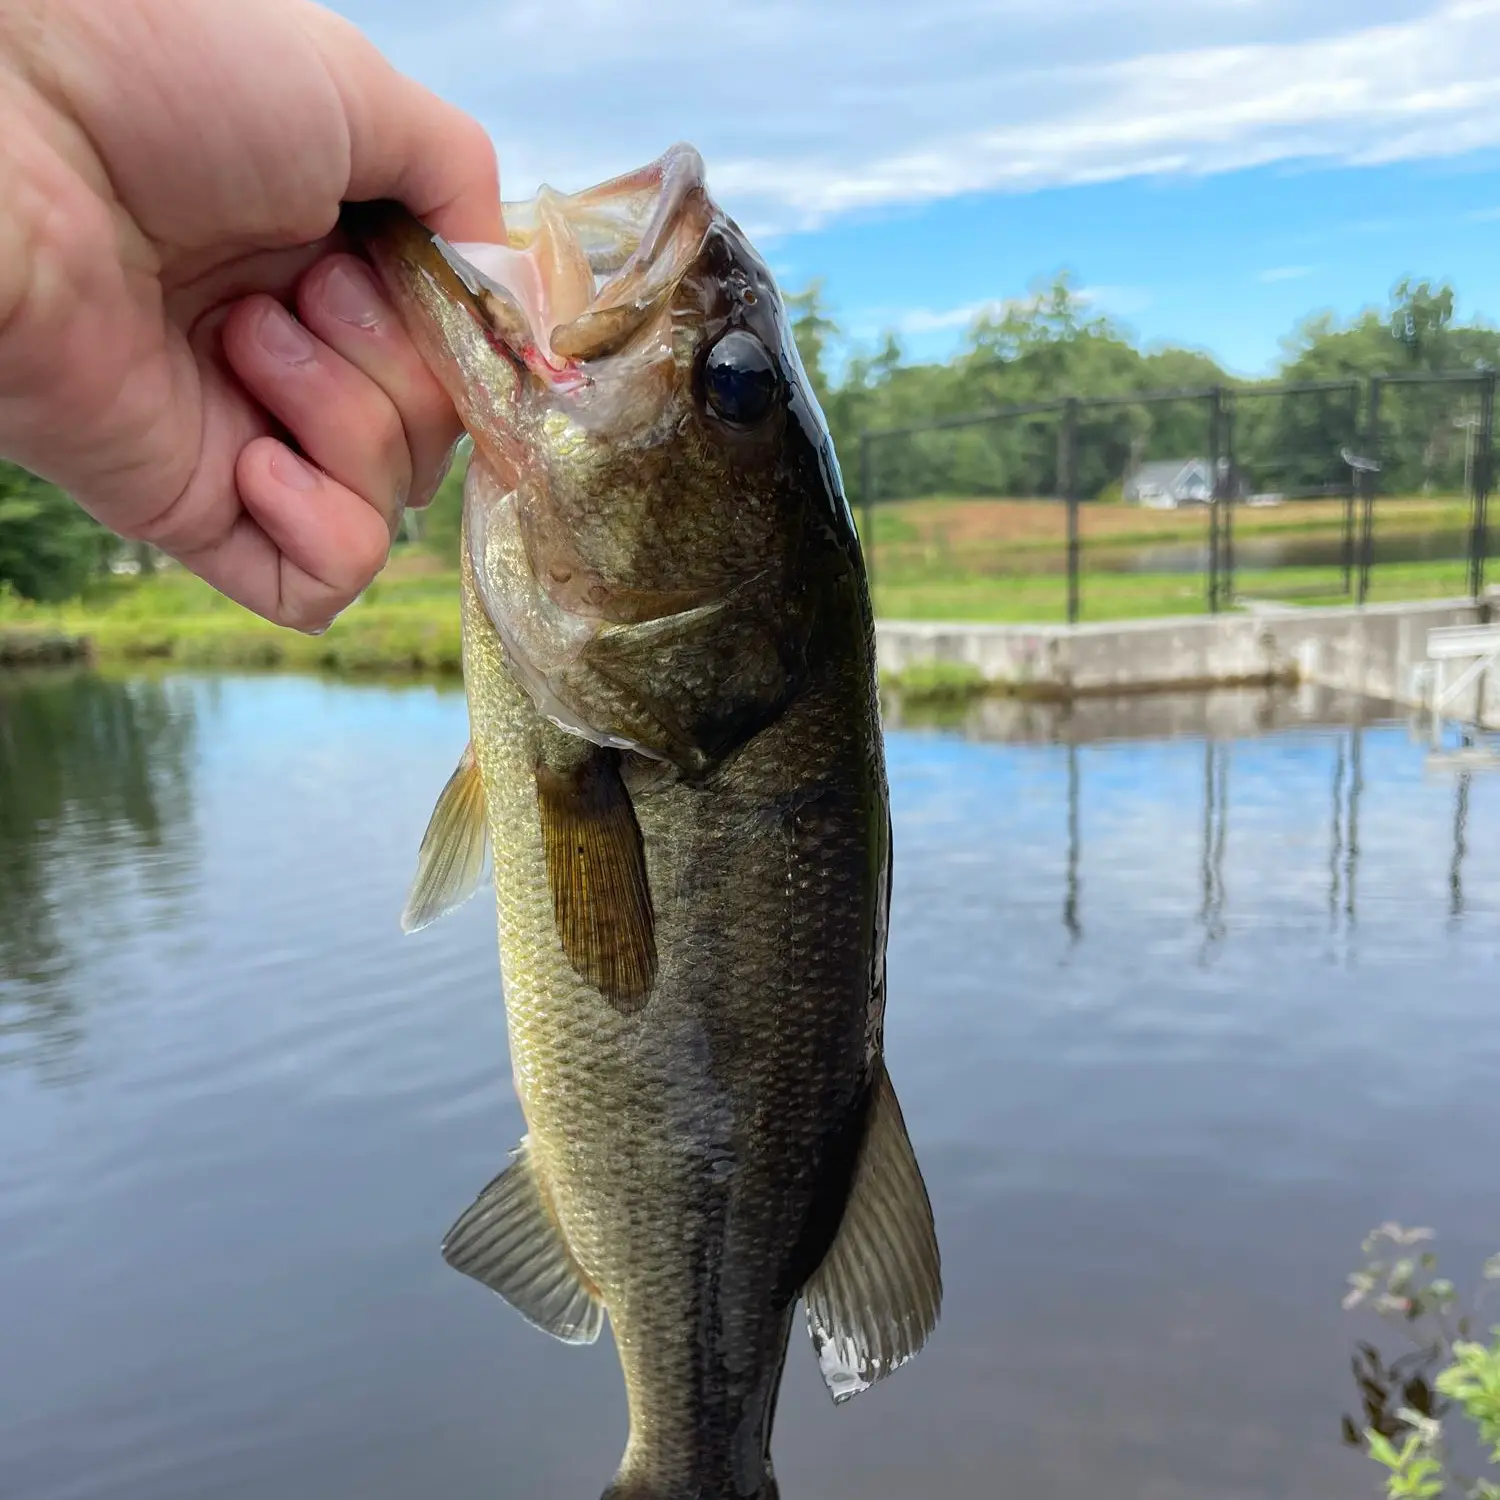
pixel 1251 552
pixel 1175 1019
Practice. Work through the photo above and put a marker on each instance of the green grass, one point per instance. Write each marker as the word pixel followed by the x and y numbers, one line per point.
pixel 936 683
pixel 401 625
pixel 407 621
pixel 1039 598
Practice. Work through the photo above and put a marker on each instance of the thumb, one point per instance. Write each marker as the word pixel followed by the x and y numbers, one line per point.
pixel 406 143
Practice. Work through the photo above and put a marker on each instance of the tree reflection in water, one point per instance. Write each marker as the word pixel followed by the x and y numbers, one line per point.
pixel 95 789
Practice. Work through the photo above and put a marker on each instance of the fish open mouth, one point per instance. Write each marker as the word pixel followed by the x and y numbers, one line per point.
pixel 584 273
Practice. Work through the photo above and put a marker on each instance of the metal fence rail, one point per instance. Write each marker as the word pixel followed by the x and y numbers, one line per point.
pixel 1345 441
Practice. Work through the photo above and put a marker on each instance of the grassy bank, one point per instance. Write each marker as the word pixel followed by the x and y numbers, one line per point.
pixel 1004 571
pixel 39 645
pixel 407 621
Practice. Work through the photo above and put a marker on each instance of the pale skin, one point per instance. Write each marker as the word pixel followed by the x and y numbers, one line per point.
pixel 184 347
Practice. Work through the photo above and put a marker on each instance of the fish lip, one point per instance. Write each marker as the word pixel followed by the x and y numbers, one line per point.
pixel 661 190
pixel 403 250
pixel 514 330
pixel 639 232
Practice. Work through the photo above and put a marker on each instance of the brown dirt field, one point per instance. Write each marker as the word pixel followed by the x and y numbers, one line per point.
pixel 412 561
pixel 983 521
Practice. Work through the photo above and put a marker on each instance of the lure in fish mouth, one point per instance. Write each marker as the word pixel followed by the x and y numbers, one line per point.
pixel 677 769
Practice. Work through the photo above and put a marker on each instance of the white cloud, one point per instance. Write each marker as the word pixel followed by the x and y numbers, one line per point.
pixel 933 320
pixel 809 112
pixel 916 322
pixel 1283 273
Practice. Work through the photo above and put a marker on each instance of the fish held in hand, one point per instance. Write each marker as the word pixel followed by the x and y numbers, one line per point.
pixel 676 771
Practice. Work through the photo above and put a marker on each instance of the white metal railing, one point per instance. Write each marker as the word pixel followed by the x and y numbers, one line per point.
pixel 1479 645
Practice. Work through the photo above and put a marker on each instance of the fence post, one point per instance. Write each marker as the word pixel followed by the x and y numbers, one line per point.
pixel 1226 523
pixel 1368 483
pixel 1215 415
pixel 1480 498
pixel 1348 538
pixel 1070 499
pixel 867 514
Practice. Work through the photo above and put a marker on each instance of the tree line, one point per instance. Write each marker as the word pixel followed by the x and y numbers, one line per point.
pixel 1037 348
pixel 1048 345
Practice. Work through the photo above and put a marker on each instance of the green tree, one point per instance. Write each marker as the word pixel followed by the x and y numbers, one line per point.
pixel 813 330
pixel 442 521
pixel 1419 321
pixel 48 546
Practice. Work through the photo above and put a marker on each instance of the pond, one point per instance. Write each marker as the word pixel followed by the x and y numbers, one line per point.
pixel 1186 995
pixel 1252 553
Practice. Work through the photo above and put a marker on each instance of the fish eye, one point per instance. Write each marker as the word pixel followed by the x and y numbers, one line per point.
pixel 740 379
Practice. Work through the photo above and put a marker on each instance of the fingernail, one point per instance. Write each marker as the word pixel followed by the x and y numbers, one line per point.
pixel 282 337
pixel 293 472
pixel 350 294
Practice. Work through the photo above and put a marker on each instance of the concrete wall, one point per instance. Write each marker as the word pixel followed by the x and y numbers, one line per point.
pixel 1370 650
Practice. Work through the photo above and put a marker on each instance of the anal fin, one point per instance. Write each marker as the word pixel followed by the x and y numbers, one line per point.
pixel 451 861
pixel 596 866
pixel 875 1299
pixel 509 1240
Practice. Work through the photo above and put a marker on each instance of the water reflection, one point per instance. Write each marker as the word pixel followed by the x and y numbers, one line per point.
pixel 94 774
pixel 1336 838
pixel 1219 720
pixel 1215 828
pixel 1460 846
pixel 1253 552
pixel 1356 788
pixel 1343 854
pixel 1230 714
pixel 1070 900
pixel 219 1265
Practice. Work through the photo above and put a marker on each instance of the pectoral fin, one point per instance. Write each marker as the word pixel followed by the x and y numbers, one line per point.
pixel 510 1241
pixel 875 1299
pixel 450 863
pixel 596 865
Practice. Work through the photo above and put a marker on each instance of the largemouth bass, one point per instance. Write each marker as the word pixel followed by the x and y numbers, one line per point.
pixel 676 770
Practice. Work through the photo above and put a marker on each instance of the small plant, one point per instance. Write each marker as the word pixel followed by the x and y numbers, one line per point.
pixel 937 683
pixel 1407 1402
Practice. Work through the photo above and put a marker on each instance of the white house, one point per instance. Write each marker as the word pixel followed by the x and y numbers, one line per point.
pixel 1164 484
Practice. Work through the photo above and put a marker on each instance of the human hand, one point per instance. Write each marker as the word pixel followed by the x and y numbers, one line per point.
pixel 170 177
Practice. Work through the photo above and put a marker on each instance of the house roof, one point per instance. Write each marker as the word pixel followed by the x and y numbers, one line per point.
pixel 1162 471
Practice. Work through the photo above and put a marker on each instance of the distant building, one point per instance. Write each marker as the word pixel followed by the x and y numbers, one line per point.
pixel 1166 483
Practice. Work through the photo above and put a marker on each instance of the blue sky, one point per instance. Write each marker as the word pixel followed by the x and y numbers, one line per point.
pixel 1208 170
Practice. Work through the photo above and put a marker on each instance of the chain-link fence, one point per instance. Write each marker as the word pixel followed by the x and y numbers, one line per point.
pixel 1173 502
pixel 959 512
